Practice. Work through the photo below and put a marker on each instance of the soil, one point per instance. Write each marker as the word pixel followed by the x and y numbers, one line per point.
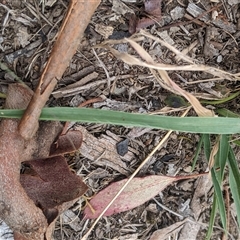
pixel 28 31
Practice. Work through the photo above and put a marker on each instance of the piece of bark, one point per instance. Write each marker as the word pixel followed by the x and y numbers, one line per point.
pixel 103 152
pixel 72 29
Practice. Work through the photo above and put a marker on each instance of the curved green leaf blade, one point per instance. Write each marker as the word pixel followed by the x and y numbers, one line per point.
pixel 222 156
pixel 223 100
pixel 207 146
pixel 199 146
pixel 234 182
pixel 220 200
pixel 212 218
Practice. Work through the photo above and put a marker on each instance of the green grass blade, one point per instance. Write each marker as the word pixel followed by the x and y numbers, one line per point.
pixel 212 218
pixel 234 187
pixel 227 113
pixel 216 125
pixel 222 156
pixel 234 181
pixel 233 166
pixel 207 145
pixel 199 146
pixel 219 197
pixel 237 142
pixel 223 100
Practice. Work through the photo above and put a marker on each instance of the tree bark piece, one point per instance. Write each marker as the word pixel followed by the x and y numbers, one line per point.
pixel 103 152
pixel 77 18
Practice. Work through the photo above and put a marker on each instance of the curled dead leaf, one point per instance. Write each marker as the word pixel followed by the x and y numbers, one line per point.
pixel 50 182
pixel 67 143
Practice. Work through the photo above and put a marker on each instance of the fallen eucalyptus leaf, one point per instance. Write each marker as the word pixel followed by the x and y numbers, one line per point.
pixel 137 192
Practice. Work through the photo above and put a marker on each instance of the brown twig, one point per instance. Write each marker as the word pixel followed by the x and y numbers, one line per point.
pixel 77 18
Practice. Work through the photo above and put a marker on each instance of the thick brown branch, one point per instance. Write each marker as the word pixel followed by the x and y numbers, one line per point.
pixel 16 208
pixel 76 21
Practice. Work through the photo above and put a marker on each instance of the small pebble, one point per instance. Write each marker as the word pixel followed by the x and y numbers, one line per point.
pixel 122 147
pixel 219 58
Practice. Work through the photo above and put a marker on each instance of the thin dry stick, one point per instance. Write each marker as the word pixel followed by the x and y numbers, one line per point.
pixel 104 68
pixel 131 177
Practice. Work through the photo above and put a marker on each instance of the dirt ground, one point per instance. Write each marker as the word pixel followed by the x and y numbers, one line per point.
pixel 28 31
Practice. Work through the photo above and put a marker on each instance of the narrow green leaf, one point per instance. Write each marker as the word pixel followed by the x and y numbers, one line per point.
pixel 199 146
pixel 232 162
pixel 207 145
pixel 223 100
pixel 219 196
pixel 234 187
pixel 237 142
pixel 227 113
pixel 3 95
pixel 215 125
pixel 234 181
pixel 212 218
pixel 222 156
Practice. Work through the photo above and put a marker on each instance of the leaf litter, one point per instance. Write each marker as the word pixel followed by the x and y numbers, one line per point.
pixel 150 137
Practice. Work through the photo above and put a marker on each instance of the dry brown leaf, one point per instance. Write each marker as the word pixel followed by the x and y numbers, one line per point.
pixel 67 143
pixel 167 82
pixel 179 54
pixel 49 182
pixel 213 153
pixel 137 192
pixel 140 50
pixel 131 60
pixel 200 110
